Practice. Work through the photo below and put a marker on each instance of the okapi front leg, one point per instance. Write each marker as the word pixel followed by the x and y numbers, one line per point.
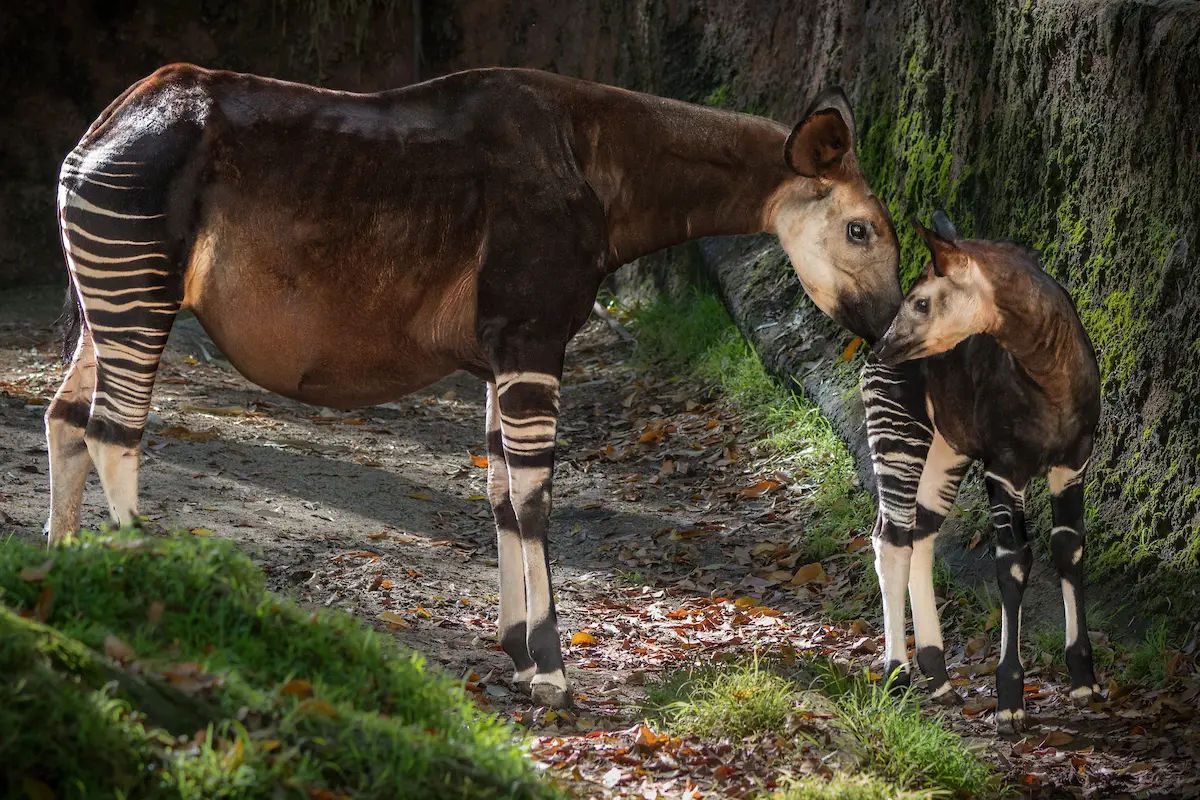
pixel 1013 560
pixel 893 558
pixel 1066 544
pixel 943 473
pixel 528 403
pixel 513 630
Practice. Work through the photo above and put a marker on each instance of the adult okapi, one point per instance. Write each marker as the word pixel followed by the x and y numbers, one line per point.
pixel 345 249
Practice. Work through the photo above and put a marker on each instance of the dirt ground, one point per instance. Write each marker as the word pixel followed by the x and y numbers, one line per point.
pixel 671 543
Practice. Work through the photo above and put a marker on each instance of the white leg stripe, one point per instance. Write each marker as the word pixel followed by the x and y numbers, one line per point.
pixel 1069 608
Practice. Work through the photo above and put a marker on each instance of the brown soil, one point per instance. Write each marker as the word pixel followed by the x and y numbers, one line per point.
pixel 664 517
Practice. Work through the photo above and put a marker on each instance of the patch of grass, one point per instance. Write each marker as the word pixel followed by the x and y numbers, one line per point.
pixel 1148 661
pixel 734 701
pixel 363 717
pixel 845 787
pixel 897 744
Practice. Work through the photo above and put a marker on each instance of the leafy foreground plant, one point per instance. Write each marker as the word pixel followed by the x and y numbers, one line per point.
pixel 211 687
pixel 898 752
pixel 734 701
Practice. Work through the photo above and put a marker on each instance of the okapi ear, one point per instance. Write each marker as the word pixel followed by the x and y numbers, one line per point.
pixel 817 145
pixel 944 250
pixel 944 227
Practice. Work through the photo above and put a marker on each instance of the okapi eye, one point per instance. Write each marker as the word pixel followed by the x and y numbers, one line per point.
pixel 857 231
pixel 922 305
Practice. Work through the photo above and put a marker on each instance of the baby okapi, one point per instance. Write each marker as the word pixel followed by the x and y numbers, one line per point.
pixel 346 249
pixel 1024 399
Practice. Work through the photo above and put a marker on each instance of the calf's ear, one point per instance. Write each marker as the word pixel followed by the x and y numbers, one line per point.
pixel 947 258
pixel 944 227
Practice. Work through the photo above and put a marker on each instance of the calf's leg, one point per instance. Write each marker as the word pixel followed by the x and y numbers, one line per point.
pixel 1013 560
pixel 1066 545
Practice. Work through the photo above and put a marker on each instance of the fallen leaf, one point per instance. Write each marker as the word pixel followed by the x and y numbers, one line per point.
pixel 758 489
pixel 978 706
pixel 857 543
pixel 270 744
pixel 1141 766
pixel 864 645
pixel 649 740
pixel 971 545
pixel 852 348
pixel 296 687
pixel 202 531
pixel 480 461
pixel 583 638
pixel 32 574
pixel 747 602
pixel 116 649
pixel 809 573
pixel 611 778
pixel 385 584
pixel 392 618
pixel 377 535
pixel 180 432
pixel 1055 738
pixel 419 496
pixel 155 612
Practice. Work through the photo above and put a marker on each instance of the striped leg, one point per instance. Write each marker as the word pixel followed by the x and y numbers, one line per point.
pixel 899 434
pixel 944 471
pixel 1013 560
pixel 528 404
pixel 1066 544
pixel 512 627
pixel 66 419
pixel 122 257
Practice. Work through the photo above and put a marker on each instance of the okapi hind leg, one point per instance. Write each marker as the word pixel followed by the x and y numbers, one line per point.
pixel 66 420
pixel 1066 545
pixel 125 253
pixel 512 627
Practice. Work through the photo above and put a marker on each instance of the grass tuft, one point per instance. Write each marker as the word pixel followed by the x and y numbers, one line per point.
pixel 846 787
pixel 1148 661
pixel 737 701
pixel 371 722
pixel 897 744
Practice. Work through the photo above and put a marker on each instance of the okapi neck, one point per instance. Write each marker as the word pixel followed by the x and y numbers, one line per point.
pixel 669 172
pixel 1037 328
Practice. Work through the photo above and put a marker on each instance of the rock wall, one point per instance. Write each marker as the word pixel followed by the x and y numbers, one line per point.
pixel 1073 126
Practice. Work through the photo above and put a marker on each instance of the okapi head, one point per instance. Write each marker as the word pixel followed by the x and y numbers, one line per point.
pixel 952 299
pixel 836 232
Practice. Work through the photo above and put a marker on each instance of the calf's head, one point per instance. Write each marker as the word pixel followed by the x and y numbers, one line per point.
pixel 837 234
pixel 951 300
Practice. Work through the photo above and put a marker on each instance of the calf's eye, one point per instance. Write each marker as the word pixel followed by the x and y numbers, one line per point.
pixel 922 305
pixel 857 232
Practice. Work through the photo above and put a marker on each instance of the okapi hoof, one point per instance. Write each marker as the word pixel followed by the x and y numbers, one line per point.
pixel 1084 696
pixel 550 696
pixel 946 696
pixel 1010 723
pixel 523 687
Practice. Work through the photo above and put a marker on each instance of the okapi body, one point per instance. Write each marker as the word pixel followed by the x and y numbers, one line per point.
pixel 987 360
pixel 346 249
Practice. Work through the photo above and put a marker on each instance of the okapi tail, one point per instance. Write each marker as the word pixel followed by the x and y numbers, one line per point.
pixel 72 323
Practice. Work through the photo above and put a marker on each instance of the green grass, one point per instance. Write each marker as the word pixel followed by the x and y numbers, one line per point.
pixel 1148 661
pixel 734 701
pixel 897 744
pixel 697 336
pixel 846 787
pixel 884 737
pixel 378 723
